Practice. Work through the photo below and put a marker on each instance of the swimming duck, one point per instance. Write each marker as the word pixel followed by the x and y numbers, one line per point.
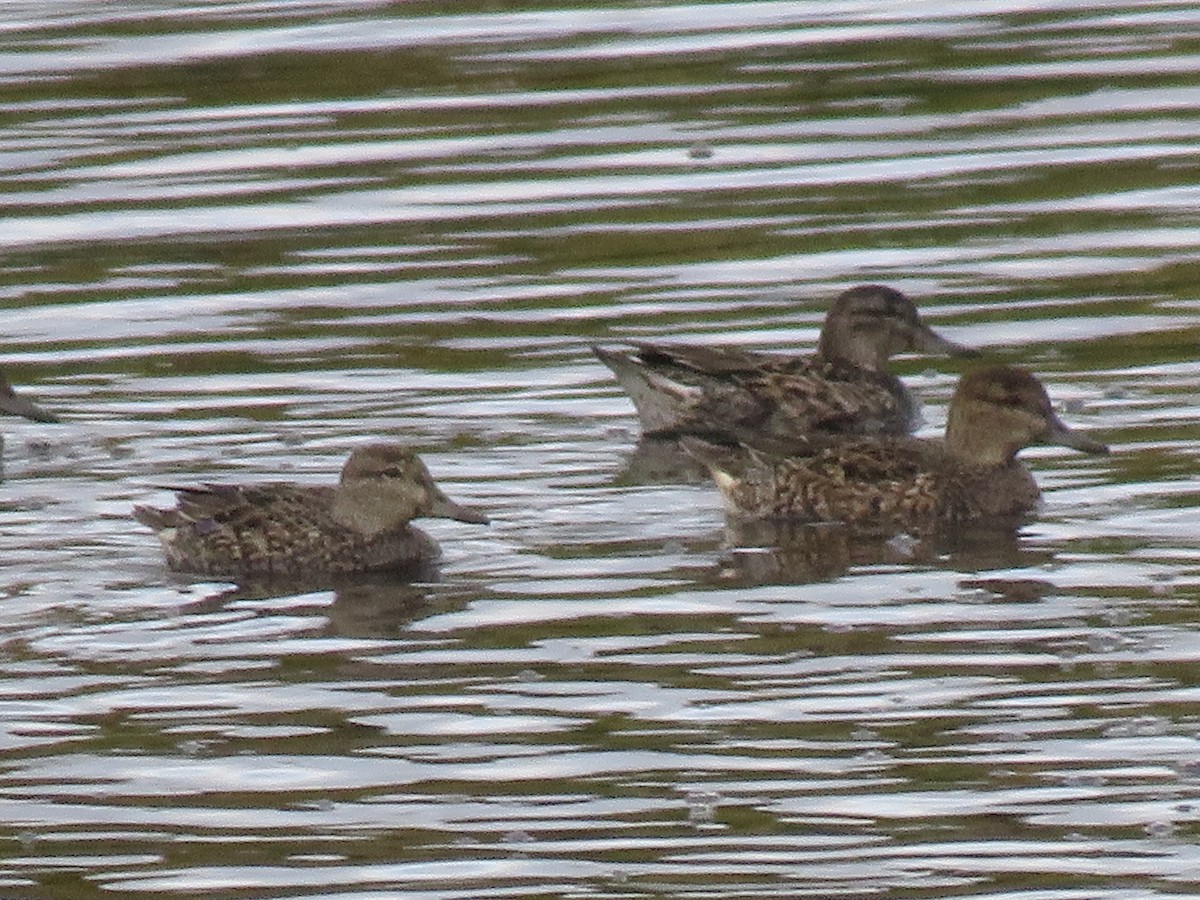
pixel 887 482
pixel 282 529
pixel 733 394
pixel 16 405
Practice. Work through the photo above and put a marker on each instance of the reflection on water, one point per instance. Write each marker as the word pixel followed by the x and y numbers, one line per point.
pixel 244 238
pixel 793 553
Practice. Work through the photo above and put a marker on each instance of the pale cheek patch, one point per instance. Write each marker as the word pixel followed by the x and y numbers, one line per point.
pixel 726 483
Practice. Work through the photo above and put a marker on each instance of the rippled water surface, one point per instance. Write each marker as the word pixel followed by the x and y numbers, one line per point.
pixel 242 238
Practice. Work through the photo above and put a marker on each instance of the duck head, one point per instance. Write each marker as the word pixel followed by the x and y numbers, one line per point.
pixel 997 411
pixel 869 324
pixel 383 486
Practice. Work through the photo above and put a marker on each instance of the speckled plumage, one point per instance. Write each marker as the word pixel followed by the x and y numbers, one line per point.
pixel 735 394
pixel 886 482
pixel 281 529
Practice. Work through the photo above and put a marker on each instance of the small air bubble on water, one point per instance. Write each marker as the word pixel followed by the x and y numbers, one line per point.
pixel 874 755
pixel 1150 726
pixel 1161 829
pixel 1102 642
pixel 1118 617
pixel 1188 768
pixel 702 807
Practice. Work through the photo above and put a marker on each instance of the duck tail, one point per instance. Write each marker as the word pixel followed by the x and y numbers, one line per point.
pixel 724 463
pixel 154 518
pixel 662 403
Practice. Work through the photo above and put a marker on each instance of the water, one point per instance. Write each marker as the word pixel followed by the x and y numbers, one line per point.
pixel 242 238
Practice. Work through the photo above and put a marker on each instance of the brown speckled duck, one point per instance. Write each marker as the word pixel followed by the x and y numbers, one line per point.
pixel 902 482
pixel 280 529
pixel 731 394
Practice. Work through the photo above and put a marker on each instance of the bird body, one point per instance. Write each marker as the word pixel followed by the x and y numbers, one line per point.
pixel 734 394
pixel 891 482
pixel 283 529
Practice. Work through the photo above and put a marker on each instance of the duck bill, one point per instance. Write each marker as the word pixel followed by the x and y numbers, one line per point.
pixel 442 507
pixel 15 405
pixel 926 340
pixel 1066 437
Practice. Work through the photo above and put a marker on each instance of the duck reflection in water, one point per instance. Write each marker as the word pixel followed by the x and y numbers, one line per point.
pixel 364 605
pixel 730 395
pixel 781 552
pixel 295 531
pixel 874 488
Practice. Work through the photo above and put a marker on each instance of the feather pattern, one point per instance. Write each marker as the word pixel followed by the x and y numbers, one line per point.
pixel 735 394
pixel 887 482
pixel 277 528
pixel 274 529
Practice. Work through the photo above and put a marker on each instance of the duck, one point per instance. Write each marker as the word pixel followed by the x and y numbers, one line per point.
pixel 730 394
pixel 901 482
pixel 14 404
pixel 282 529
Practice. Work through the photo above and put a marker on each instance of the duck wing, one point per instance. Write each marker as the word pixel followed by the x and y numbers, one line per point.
pixel 745 395
pixel 226 529
pixel 750 393
pixel 866 483
pixel 708 360
pixel 238 506
pixel 805 397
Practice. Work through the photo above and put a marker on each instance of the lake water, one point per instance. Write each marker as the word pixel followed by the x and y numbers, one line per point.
pixel 242 238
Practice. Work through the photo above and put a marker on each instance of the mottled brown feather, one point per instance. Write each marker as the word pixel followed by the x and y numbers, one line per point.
pixel 274 529
pixel 736 394
pixel 282 529
pixel 901 482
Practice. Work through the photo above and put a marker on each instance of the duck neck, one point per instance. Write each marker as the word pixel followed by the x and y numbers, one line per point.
pixel 836 345
pixel 359 507
pixel 977 443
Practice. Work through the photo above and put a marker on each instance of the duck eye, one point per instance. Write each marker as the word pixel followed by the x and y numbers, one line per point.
pixel 1015 400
